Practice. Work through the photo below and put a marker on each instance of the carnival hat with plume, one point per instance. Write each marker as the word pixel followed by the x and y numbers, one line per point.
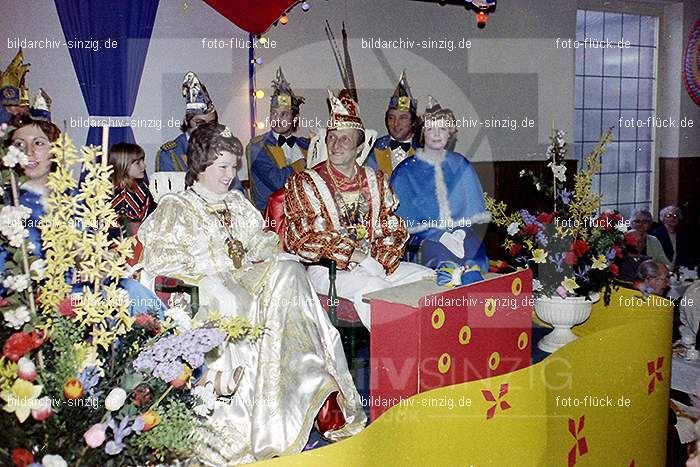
pixel 197 100
pixel 40 108
pixel 402 99
pixel 13 90
pixel 283 97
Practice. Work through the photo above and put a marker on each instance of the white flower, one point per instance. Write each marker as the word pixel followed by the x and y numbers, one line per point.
pixel 208 397
pixel 12 224
pixel 17 317
pixel 180 316
pixel 558 171
pixel 17 283
pixel 537 185
pixel 536 285
pixel 39 268
pixel 15 156
pixel 622 227
pixel 115 399
pixel 513 228
pixel 53 460
pixel 3 129
pixel 521 174
pixel 26 369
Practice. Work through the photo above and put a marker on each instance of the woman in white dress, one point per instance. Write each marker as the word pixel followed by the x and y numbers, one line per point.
pixel 214 238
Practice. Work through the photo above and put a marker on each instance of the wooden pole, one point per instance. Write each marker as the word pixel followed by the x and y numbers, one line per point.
pixel 105 144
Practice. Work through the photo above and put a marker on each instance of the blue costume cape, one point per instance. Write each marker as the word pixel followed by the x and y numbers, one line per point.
pixel 379 157
pixel 269 173
pixel 433 202
pixel 142 299
pixel 172 157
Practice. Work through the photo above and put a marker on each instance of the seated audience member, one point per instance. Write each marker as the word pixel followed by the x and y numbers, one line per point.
pixel 641 221
pixel 277 154
pixel 441 199
pixel 213 237
pixel 653 278
pixel 673 237
pixel 132 200
pixel 635 242
pixel 344 212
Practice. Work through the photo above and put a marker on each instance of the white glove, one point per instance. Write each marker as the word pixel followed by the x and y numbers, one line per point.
pixel 454 242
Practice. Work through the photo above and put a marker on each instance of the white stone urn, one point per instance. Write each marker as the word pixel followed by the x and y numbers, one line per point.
pixel 562 314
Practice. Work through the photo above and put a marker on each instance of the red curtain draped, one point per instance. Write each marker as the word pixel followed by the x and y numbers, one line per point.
pixel 254 16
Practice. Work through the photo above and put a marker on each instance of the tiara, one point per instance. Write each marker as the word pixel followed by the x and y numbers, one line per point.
pixel 226 133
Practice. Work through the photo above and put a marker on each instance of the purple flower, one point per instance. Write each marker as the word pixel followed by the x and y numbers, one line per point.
pixel 564 195
pixel 167 356
pixel 541 238
pixel 557 259
pixel 582 273
pixel 611 255
pixel 527 217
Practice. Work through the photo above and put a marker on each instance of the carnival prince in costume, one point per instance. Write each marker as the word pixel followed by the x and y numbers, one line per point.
pixel 344 212
pixel 277 154
pixel 400 120
pixel 441 197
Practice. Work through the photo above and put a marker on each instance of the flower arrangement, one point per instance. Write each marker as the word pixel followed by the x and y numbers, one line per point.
pixel 81 381
pixel 572 247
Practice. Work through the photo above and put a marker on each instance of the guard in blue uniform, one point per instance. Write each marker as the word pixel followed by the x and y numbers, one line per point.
pixel 199 109
pixel 401 122
pixel 277 154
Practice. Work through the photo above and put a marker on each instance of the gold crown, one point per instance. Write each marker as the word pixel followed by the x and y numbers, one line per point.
pixel 12 81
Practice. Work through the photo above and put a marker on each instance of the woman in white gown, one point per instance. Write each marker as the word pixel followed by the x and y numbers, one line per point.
pixel 214 238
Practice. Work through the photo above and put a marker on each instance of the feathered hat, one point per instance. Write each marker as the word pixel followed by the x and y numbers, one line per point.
pixel 344 111
pixel 12 88
pixel 402 99
pixel 283 97
pixel 197 100
pixel 40 108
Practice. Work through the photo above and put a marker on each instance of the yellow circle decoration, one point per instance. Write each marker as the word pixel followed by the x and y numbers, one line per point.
pixel 490 307
pixel 438 318
pixel 444 363
pixel 494 360
pixel 517 286
pixel 522 340
pixel 465 335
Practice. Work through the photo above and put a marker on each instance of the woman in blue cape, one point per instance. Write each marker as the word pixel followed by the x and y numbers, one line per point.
pixel 33 135
pixel 440 197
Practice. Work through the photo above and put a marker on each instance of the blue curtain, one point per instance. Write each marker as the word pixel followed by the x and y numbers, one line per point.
pixel 108 41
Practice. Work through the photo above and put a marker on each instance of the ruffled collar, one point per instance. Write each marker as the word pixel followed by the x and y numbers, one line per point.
pixel 207 194
pixel 429 158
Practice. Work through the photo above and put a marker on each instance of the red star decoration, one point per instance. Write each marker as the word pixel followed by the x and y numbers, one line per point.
pixel 488 396
pixel 655 373
pixel 581 446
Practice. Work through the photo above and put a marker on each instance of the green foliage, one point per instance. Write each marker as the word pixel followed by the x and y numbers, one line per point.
pixel 174 436
pixel 61 356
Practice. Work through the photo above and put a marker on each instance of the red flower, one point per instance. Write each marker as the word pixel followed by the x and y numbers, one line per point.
pixel 570 258
pixel 608 220
pixel 20 344
pixel 618 251
pixel 545 218
pixel 531 229
pixel 21 457
pixel 3 301
pixel 614 269
pixel 66 308
pixel 515 248
pixel 631 240
pixel 142 396
pixel 579 248
pixel 148 322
